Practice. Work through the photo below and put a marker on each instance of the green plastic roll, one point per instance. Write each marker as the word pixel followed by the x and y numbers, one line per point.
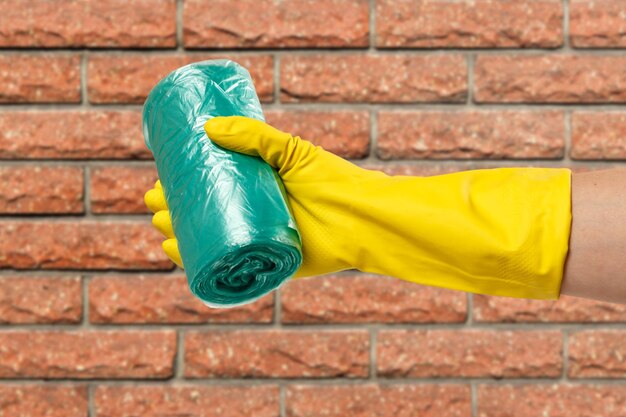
pixel 236 233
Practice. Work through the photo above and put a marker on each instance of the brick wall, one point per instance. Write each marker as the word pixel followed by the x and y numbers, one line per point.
pixel 95 321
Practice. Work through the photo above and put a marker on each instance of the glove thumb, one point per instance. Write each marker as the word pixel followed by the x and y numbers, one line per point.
pixel 254 137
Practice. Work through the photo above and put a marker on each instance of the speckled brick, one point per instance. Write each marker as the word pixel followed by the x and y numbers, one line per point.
pixel 41 189
pixel 27 299
pixel 432 400
pixel 87 354
pixel 277 23
pixel 30 400
pixel 80 23
pixel 129 78
pixel 39 78
pixel 565 310
pixel 188 400
pixel 120 189
pixel 81 245
pixel 550 79
pixel 163 299
pixel 72 135
pixel 551 400
pixel 597 23
pixel 598 135
pixel 469 24
pixel 368 298
pixel 385 78
pixel 597 354
pixel 276 353
pixel 471 134
pixel 469 353
pixel 344 133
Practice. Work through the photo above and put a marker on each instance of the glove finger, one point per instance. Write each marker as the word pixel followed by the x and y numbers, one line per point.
pixel 254 137
pixel 170 247
pixel 155 200
pixel 163 223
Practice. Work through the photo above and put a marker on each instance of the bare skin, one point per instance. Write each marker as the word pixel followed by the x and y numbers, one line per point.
pixel 596 263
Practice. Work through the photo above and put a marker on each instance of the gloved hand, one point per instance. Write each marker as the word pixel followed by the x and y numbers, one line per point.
pixel 498 231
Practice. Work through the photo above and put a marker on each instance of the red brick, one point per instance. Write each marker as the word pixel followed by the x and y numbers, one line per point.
pixel 345 133
pixel 81 245
pixel 80 23
pixel 471 134
pixel 41 189
pixel 112 354
pixel 469 24
pixel 43 400
pixel 597 353
pixel 550 79
pixel 597 23
pixel 163 299
pixel 551 400
pixel 379 400
pixel 120 189
pixel 373 78
pixel 72 135
pixel 26 299
pixel 194 400
pixel 287 23
pixel 368 299
pixel 598 135
pixel 469 353
pixel 276 353
pixel 40 78
pixel 129 78
pixel 565 310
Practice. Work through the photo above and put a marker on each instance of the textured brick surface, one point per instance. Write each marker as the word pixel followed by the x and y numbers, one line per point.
pixel 103 354
pixel 163 299
pixel 271 353
pixel 469 24
pixel 43 400
pixel 368 299
pixel 379 400
pixel 194 400
pixel 469 353
pixel 81 245
pixel 550 79
pixel 73 23
pixel 598 135
pixel 373 78
pixel 40 78
pixel 597 23
pixel 129 78
pixel 39 189
pixel 26 299
pixel 462 134
pixel 597 353
pixel 345 133
pixel 566 309
pixel 284 23
pixel 72 134
pixel 551 400
pixel 121 189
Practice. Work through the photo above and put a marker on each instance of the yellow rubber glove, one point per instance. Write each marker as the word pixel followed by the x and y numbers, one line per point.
pixel 501 231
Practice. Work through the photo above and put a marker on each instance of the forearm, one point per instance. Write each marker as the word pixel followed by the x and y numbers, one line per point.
pixel 596 263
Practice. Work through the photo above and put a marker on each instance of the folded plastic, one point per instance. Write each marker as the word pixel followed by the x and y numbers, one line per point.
pixel 236 233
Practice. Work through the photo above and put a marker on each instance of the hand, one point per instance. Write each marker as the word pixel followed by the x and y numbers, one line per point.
pixel 319 187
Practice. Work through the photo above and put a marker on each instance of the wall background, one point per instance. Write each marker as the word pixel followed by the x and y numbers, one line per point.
pixel 96 322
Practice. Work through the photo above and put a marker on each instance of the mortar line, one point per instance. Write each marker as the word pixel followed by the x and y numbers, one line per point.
pixel 179 26
pixel 90 401
pixel 281 400
pixel 470 81
pixel 566 39
pixel 474 399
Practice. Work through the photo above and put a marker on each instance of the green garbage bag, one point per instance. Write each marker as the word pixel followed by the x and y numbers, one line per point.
pixel 235 230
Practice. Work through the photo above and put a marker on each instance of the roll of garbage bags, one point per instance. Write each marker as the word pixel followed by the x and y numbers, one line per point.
pixel 236 233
